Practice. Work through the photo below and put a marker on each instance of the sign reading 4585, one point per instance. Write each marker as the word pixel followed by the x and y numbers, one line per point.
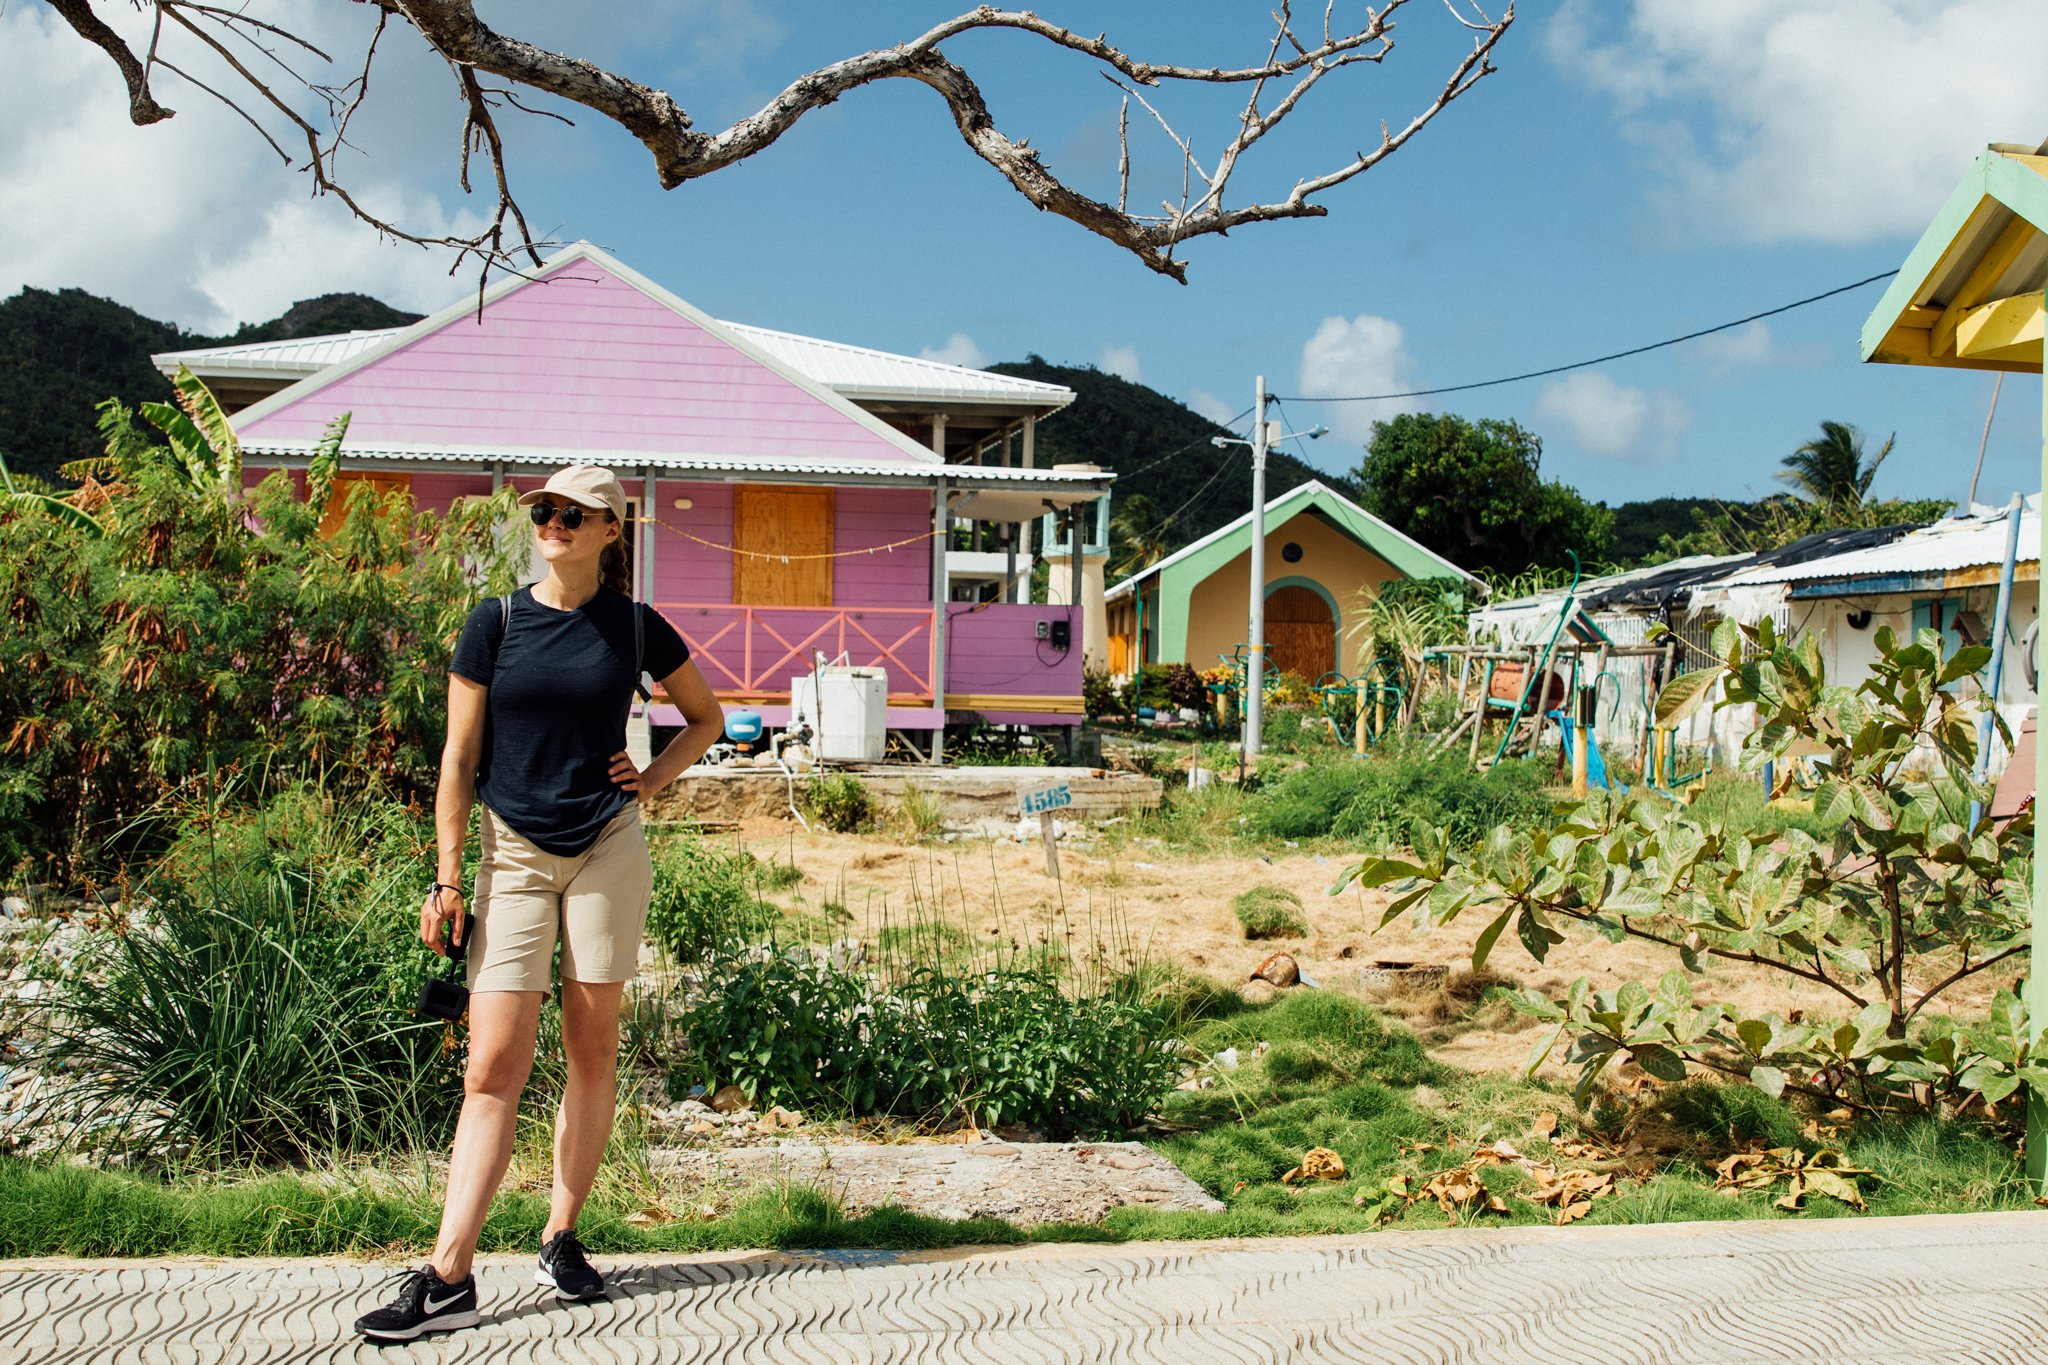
pixel 1039 800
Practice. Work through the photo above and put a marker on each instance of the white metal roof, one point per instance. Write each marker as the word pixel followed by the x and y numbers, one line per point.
pixel 855 372
pixel 297 357
pixel 1061 485
pixel 860 372
pixel 1972 542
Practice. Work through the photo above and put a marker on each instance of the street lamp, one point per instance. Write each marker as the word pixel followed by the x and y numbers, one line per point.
pixel 1264 436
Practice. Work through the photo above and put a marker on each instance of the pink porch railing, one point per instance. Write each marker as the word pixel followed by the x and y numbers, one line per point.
pixel 750 653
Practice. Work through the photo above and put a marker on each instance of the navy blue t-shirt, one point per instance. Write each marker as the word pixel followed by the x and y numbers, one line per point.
pixel 561 686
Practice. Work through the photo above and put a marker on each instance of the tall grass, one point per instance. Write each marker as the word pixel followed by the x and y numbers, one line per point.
pixel 1378 800
pixel 259 1005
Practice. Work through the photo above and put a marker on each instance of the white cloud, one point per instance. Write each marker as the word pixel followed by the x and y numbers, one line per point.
pixel 189 220
pixel 1121 361
pixel 958 350
pixel 1358 355
pixel 1210 406
pixel 195 221
pixel 1753 347
pixel 1828 120
pixel 1614 421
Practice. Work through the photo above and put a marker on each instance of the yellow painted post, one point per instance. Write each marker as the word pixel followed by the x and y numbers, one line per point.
pixel 1359 737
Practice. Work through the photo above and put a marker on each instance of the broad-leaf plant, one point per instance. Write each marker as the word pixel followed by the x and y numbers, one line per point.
pixel 1918 890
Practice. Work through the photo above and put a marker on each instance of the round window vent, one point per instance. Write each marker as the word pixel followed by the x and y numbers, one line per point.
pixel 1291 552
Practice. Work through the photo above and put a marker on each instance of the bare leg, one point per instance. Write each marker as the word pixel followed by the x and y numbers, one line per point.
pixel 590 1046
pixel 501 1036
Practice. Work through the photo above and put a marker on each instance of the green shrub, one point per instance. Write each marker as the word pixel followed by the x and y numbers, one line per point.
pixel 1381 798
pixel 706 898
pixel 1006 1045
pixel 1269 912
pixel 189 625
pixel 261 1008
pixel 840 802
pixel 1916 890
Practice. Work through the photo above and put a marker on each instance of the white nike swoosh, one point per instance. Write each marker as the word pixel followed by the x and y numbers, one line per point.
pixel 432 1307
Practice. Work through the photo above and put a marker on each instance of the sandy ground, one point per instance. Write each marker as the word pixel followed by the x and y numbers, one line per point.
pixel 1114 906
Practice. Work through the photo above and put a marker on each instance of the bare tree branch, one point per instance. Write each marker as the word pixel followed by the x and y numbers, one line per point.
pixel 1290 70
pixel 142 106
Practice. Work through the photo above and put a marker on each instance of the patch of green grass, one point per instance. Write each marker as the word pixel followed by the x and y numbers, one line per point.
pixel 1379 799
pixel 1333 1073
pixel 62 1210
pixel 1269 912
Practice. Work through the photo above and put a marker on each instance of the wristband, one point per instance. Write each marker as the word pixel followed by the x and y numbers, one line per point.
pixel 438 887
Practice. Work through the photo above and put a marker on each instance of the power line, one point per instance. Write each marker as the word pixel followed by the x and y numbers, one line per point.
pixel 1597 360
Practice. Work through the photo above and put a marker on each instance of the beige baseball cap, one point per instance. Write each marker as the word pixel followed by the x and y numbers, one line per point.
pixel 587 485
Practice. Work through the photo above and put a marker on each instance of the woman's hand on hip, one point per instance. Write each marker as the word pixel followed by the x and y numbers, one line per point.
pixel 627 774
pixel 442 910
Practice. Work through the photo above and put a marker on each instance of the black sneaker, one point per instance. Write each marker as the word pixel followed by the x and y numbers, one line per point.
pixel 565 1269
pixel 425 1303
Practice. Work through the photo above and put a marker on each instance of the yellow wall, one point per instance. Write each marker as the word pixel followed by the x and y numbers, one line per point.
pixel 1217 608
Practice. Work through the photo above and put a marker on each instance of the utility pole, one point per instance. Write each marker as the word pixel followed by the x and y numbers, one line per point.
pixel 1255 665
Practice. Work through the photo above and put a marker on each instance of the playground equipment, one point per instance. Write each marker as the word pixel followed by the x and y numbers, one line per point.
pixel 1530 687
pixel 1364 708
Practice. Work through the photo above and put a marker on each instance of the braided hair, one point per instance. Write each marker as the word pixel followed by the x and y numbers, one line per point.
pixel 614 570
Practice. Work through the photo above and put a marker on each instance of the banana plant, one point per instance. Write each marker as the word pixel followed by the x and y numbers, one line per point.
pixel 201 438
pixel 51 505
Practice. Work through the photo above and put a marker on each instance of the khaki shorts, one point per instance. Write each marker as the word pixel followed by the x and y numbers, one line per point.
pixel 527 898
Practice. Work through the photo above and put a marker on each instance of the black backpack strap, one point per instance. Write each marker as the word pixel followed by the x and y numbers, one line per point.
pixel 640 653
pixel 505 614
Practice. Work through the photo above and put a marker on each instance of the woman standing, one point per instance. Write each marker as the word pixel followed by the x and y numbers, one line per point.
pixel 538 697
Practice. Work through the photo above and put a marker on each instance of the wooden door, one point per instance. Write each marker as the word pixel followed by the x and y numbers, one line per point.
pixel 1301 634
pixel 770 523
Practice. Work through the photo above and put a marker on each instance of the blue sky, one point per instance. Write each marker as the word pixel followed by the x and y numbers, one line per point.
pixel 1636 169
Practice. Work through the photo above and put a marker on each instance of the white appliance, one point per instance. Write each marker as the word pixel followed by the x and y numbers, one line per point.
pixel 847 707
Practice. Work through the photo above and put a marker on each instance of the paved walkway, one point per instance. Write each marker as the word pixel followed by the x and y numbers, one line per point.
pixel 1849 1291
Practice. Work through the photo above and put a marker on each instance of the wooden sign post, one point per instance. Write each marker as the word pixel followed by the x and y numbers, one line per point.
pixel 1042 802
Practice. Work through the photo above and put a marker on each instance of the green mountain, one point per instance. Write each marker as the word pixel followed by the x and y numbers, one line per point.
pixel 1161 451
pixel 63 352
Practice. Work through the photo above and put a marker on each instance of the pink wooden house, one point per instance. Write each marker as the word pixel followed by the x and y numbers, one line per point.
pixel 791 495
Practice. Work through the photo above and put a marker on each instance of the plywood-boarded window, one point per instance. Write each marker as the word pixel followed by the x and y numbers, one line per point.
pixel 781 535
pixel 345 484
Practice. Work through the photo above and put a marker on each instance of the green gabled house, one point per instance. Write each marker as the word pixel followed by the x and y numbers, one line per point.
pixel 1325 558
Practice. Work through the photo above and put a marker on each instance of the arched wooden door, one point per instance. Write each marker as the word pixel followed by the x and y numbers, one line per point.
pixel 1301 633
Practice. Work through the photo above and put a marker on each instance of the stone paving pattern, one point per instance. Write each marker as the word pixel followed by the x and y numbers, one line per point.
pixel 1846 1291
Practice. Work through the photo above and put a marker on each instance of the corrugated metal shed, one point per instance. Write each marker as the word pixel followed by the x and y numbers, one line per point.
pixel 1948 546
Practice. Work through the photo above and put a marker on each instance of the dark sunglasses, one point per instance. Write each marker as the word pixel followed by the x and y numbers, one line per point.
pixel 543 513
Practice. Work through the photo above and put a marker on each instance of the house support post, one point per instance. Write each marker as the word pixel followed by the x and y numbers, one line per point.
pixel 1027 448
pixel 942 534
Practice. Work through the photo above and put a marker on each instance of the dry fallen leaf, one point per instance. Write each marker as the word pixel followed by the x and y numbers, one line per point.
pixel 1546 1124
pixel 1320 1163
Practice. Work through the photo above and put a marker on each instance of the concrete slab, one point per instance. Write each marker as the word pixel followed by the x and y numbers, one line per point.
pixel 1833 1291
pixel 966 794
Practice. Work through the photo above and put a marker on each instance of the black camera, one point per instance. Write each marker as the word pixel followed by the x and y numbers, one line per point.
pixel 446 997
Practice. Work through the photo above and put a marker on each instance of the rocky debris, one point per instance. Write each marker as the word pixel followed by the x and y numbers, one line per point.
pixel 1279 969
pixel 1023 1183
